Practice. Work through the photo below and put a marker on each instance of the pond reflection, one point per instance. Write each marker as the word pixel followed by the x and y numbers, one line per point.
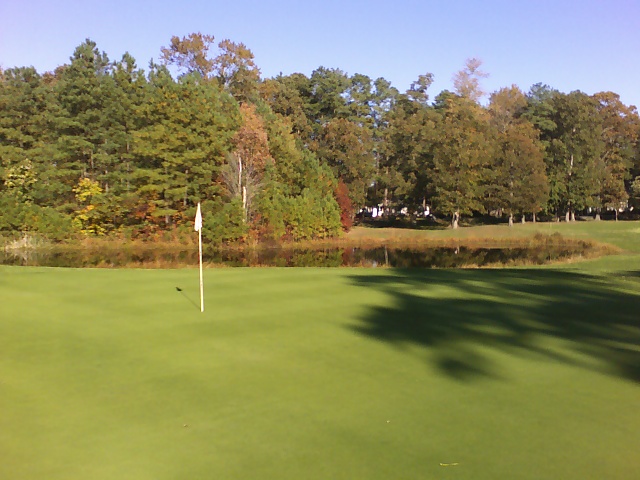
pixel 405 257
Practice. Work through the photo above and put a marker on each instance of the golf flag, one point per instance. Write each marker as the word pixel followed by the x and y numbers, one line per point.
pixel 198 225
pixel 198 228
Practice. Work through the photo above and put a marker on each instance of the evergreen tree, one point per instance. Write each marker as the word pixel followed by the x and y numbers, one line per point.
pixel 406 159
pixel 27 105
pixel 185 136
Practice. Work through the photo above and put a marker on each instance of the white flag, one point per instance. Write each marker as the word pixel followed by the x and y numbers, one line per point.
pixel 198 225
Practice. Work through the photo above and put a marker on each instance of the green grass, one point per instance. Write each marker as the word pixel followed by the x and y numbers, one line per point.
pixel 321 373
pixel 623 234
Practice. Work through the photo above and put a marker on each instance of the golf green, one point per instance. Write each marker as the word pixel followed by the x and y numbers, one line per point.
pixel 321 373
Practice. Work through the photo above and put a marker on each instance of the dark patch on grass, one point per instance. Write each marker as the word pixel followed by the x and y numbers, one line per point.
pixel 557 316
pixel 187 297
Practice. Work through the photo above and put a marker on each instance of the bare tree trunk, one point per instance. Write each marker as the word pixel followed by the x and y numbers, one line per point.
pixel 567 216
pixel 616 210
pixel 511 219
pixel 524 219
pixel 244 204
pixel 242 190
pixel 239 174
pixel 573 216
pixel 534 218
pixel 454 219
pixel 385 202
pixel 597 219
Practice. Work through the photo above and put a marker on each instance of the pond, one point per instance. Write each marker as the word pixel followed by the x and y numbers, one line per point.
pixel 382 256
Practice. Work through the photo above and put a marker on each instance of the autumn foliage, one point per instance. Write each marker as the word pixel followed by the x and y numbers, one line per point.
pixel 346 207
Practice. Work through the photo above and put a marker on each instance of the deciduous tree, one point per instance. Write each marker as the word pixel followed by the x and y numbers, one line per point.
pixel 190 54
pixel 466 82
pixel 620 128
pixel 516 181
pixel 462 151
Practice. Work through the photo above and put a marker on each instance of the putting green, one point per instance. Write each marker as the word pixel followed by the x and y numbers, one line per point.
pixel 321 373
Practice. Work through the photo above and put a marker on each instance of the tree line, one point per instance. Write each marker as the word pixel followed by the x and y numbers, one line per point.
pixel 102 147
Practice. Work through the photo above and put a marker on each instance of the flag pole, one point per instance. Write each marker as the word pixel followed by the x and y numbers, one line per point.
pixel 201 283
pixel 198 228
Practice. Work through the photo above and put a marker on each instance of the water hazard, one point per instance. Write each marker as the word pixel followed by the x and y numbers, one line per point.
pixel 382 256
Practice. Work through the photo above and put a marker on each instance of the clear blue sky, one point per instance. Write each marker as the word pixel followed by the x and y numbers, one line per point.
pixel 583 45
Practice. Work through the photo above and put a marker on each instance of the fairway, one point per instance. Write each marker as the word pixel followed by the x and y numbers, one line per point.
pixel 321 373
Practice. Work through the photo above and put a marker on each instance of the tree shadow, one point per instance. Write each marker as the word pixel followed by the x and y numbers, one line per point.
pixel 629 274
pixel 460 316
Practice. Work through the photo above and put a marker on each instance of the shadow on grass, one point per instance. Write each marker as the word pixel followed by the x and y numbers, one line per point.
pixel 459 316
pixel 629 274
pixel 187 297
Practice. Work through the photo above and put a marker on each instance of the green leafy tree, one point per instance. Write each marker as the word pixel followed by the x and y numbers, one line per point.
pixel 236 70
pixel 462 150
pixel 635 191
pixel 327 96
pixel 19 180
pixel 347 148
pixel 130 90
pixel 281 205
pixel 574 153
pixel 185 137
pixel 516 181
pixel 284 95
pixel 27 105
pixel 620 129
pixel 406 160
pixel 83 91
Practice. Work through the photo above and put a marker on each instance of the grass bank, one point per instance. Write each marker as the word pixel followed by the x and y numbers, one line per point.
pixel 623 234
pixel 321 373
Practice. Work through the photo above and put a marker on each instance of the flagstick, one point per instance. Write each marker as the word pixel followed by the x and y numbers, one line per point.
pixel 198 228
pixel 201 283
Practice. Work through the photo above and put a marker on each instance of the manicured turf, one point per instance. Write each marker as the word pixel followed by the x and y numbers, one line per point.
pixel 321 373
pixel 622 234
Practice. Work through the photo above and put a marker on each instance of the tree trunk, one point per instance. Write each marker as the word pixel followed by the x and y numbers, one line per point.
pixel 524 219
pixel 573 216
pixel 534 218
pixel 511 219
pixel 239 174
pixel 567 217
pixel 597 216
pixel 454 219
pixel 385 202
pixel 616 210
pixel 244 204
